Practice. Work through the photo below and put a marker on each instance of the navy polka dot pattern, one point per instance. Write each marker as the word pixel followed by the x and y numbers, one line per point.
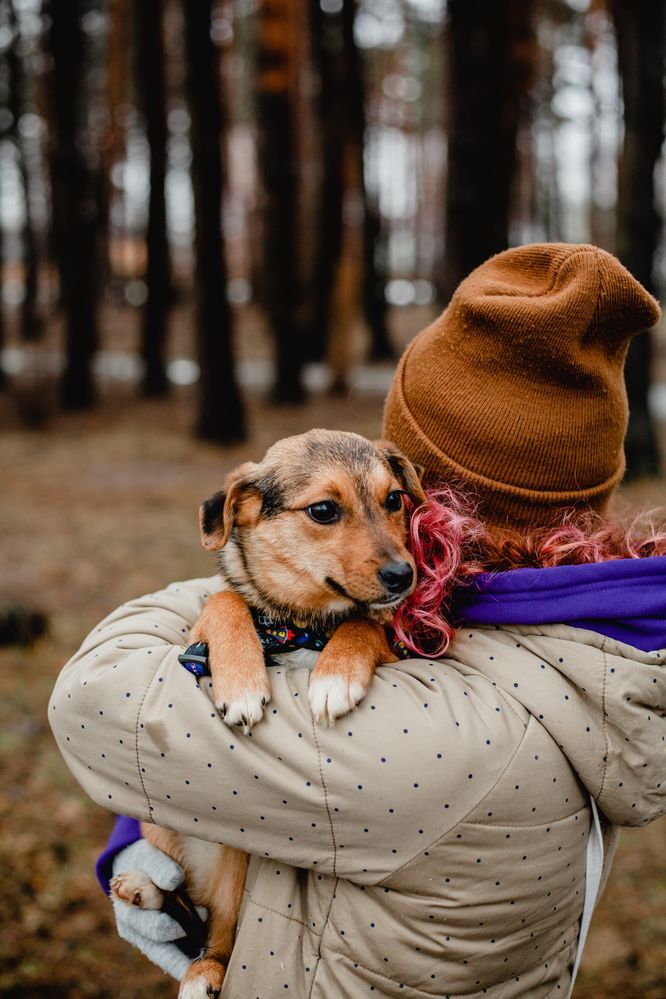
pixel 431 843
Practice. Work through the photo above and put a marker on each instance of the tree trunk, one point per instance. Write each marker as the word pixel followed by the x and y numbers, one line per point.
pixel 221 416
pixel 4 381
pixel 490 68
pixel 640 31
pixel 341 113
pixel 31 320
pixel 74 208
pixel 117 93
pixel 373 281
pixel 149 57
pixel 278 163
pixel 326 33
pixel 375 306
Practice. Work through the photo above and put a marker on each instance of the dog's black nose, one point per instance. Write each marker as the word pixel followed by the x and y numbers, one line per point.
pixel 396 576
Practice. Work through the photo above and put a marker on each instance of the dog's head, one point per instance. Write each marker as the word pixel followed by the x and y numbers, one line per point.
pixel 317 529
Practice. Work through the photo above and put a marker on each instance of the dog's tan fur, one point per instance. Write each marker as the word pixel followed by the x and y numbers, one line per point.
pixel 277 559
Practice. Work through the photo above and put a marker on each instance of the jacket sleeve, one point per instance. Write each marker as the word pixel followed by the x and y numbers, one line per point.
pixel 361 799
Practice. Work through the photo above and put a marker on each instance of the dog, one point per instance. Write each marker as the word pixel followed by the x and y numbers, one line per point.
pixel 315 534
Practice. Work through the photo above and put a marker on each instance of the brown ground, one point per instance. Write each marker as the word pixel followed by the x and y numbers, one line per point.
pixel 98 509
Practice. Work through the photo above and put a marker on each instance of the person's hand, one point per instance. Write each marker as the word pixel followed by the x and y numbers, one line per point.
pixel 153 932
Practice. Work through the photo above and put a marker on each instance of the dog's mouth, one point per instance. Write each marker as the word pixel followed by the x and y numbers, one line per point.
pixel 340 590
pixel 384 603
pixel 391 601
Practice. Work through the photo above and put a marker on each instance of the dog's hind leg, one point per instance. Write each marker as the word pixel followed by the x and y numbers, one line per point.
pixel 204 977
pixel 136 888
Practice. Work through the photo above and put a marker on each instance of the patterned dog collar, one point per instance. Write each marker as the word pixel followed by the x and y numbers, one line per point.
pixel 278 636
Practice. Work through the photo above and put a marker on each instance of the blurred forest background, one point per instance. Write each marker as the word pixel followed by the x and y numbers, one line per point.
pixel 221 222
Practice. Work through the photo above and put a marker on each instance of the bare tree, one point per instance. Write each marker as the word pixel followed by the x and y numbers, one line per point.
pixel 4 381
pixel 74 205
pixel 117 88
pixel 277 59
pixel 149 60
pixel 31 320
pixel 372 280
pixel 490 58
pixel 346 279
pixel 640 31
pixel 221 415
pixel 331 117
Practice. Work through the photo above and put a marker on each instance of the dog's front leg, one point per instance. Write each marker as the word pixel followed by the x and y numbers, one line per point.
pixel 236 659
pixel 345 668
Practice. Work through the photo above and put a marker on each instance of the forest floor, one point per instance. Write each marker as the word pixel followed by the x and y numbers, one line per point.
pixel 96 509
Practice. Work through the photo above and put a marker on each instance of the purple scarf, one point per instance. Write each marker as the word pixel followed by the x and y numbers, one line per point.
pixel 624 599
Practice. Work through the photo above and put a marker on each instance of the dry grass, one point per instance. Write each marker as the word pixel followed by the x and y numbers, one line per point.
pixel 96 510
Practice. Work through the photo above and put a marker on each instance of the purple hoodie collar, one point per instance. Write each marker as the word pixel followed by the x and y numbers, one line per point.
pixel 124 832
pixel 624 599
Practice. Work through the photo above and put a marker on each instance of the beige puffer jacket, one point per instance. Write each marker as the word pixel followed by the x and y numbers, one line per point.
pixel 431 844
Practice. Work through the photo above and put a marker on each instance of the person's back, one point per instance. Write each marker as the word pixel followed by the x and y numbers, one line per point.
pixel 485 890
pixel 436 841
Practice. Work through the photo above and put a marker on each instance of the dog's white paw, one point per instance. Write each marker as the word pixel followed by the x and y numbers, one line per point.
pixel 203 980
pixel 136 888
pixel 333 696
pixel 245 710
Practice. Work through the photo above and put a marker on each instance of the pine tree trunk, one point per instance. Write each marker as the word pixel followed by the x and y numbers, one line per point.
pixel 490 68
pixel 375 306
pixel 74 208
pixel 151 87
pixel 640 29
pixel 373 297
pixel 326 32
pixel 4 381
pixel 118 87
pixel 31 320
pixel 278 164
pixel 341 113
pixel 221 416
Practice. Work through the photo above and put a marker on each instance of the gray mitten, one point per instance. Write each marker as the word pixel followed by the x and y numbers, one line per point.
pixel 151 931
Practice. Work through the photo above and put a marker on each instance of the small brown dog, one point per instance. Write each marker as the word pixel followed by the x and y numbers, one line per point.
pixel 315 533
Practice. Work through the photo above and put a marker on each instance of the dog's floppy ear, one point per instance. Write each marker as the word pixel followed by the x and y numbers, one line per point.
pixel 218 514
pixel 408 472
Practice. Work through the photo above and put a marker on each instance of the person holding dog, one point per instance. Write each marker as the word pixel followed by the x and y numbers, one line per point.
pixel 450 836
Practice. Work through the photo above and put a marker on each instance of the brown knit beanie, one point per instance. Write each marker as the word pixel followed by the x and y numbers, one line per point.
pixel 517 391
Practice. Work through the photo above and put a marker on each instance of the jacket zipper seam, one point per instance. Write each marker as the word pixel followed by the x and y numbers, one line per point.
pixel 320 938
pixel 604 726
pixel 137 732
pixel 326 802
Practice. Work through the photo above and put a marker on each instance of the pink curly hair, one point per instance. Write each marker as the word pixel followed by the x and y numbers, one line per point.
pixel 450 545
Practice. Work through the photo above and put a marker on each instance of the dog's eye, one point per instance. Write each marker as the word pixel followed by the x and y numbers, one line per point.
pixel 394 501
pixel 325 512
